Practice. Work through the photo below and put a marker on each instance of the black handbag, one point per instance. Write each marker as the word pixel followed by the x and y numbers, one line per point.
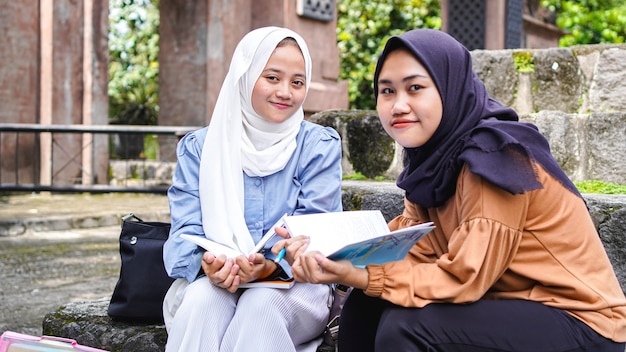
pixel 143 282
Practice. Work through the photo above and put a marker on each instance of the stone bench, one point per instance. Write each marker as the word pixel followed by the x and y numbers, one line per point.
pixel 89 324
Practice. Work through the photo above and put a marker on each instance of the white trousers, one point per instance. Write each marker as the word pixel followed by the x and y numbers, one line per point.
pixel 202 317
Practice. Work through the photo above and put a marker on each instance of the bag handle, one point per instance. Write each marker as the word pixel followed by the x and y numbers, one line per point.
pixel 131 216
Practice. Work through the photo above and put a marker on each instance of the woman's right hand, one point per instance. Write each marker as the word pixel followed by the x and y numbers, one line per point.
pixel 294 246
pixel 221 271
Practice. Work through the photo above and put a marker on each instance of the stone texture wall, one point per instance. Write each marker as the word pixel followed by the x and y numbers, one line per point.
pixel 576 98
pixel 580 79
pixel 587 146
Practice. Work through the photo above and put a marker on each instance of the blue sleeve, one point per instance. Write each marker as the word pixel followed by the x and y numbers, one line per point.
pixel 181 257
pixel 320 172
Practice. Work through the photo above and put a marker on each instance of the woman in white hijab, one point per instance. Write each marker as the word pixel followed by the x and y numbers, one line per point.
pixel 257 160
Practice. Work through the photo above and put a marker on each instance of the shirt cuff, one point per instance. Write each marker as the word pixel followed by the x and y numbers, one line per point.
pixel 376 280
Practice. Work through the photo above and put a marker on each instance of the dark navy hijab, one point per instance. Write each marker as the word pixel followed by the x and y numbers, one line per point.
pixel 474 129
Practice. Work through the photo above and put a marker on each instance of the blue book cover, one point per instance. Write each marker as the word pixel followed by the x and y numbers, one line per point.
pixel 361 236
pixel 378 250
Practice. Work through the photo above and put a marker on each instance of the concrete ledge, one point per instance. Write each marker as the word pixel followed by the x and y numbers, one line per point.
pixel 88 323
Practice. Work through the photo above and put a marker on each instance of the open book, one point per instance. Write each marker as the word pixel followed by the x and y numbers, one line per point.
pixel 218 248
pixel 360 236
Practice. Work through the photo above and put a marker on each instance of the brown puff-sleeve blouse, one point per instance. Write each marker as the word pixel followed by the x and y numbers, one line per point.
pixel 490 244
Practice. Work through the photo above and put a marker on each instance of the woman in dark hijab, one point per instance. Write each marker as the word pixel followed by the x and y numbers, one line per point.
pixel 514 263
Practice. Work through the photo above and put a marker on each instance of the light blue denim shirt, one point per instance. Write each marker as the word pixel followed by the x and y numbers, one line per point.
pixel 309 183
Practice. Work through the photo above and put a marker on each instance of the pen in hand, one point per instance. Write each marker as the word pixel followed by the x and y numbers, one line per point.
pixel 280 255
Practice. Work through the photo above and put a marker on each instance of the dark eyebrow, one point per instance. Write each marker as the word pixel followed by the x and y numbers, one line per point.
pixel 405 79
pixel 275 70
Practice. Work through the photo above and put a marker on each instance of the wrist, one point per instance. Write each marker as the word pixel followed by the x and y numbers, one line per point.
pixel 269 268
pixel 359 278
pixel 278 274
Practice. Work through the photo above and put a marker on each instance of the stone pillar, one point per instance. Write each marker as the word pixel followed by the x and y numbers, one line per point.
pixel 19 93
pixel 74 77
pixel 196 41
pixel 182 62
pixel 95 96
pixel 61 88
pixel 54 72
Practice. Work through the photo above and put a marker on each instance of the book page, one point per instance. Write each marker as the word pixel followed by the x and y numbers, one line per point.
pixel 331 231
pixel 211 246
pixel 218 248
pixel 269 235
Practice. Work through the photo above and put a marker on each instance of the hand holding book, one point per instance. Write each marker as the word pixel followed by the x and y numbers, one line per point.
pixel 362 236
pixel 217 249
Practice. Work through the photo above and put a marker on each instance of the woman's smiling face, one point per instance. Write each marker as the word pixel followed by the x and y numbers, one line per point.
pixel 409 105
pixel 280 90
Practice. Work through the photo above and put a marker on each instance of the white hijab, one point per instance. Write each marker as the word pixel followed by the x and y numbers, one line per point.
pixel 239 140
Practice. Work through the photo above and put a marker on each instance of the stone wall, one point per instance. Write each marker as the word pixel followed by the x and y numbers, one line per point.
pixel 587 146
pixel 581 79
pixel 576 98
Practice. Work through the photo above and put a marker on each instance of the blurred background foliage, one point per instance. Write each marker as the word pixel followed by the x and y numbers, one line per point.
pixel 133 62
pixel 589 21
pixel 364 26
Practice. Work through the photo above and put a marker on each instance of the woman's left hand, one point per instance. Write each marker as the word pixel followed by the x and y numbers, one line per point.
pixel 223 272
pixel 313 267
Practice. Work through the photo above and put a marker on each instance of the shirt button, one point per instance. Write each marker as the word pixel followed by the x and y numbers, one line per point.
pixel 257 182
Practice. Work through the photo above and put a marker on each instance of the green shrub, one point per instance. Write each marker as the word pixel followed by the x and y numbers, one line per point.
pixel 599 187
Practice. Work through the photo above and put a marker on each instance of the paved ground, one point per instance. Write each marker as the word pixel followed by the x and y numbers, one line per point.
pixel 56 249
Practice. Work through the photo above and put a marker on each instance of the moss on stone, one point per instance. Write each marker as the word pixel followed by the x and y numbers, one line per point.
pixel 524 61
pixel 371 148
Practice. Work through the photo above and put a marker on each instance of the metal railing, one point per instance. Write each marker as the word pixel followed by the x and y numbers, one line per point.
pixel 38 158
